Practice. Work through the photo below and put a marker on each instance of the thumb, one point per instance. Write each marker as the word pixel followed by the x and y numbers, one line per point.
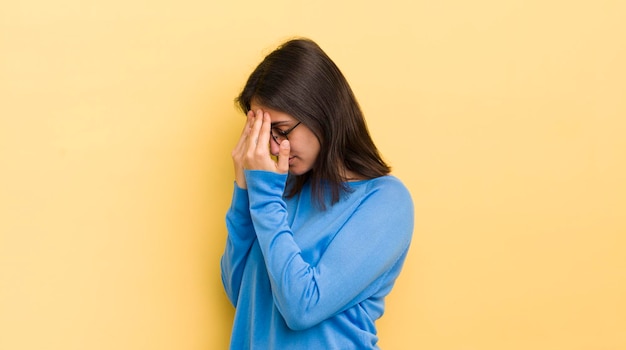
pixel 283 156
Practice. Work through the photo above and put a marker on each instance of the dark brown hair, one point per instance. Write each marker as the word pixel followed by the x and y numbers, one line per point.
pixel 299 79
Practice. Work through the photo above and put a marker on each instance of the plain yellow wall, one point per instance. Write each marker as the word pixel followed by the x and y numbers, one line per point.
pixel 506 119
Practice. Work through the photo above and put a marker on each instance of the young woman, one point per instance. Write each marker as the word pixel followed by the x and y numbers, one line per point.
pixel 317 229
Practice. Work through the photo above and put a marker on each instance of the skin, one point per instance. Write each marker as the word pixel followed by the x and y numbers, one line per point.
pixel 255 147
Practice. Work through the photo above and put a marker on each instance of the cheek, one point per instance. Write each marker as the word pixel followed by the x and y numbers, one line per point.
pixel 307 147
pixel 314 146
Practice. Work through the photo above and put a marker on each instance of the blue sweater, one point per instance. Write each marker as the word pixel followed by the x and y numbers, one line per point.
pixel 304 278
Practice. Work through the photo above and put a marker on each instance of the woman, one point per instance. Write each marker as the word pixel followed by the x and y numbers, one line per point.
pixel 317 229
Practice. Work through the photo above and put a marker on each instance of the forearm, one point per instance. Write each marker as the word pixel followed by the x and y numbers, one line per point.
pixel 240 238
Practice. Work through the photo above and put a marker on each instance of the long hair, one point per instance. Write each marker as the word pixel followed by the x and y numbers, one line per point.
pixel 299 79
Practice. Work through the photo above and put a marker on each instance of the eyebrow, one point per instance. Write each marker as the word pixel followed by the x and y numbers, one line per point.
pixel 279 123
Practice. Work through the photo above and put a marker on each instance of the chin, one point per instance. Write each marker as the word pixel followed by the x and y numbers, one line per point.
pixel 297 171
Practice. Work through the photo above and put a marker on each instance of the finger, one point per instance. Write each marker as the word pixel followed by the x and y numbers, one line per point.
pixel 246 126
pixel 253 137
pixel 244 133
pixel 264 133
pixel 283 157
pixel 249 122
pixel 250 118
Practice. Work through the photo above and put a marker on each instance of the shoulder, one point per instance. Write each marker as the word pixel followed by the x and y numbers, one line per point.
pixel 385 204
pixel 388 189
pixel 387 183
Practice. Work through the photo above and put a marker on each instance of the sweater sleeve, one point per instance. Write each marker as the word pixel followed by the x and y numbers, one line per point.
pixel 240 238
pixel 364 257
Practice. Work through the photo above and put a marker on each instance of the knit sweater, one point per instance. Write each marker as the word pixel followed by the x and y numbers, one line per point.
pixel 305 278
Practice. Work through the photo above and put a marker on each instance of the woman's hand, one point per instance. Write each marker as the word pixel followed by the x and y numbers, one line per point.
pixel 257 146
pixel 252 149
pixel 238 152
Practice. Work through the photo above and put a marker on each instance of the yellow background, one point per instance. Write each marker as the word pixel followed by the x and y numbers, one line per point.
pixel 506 120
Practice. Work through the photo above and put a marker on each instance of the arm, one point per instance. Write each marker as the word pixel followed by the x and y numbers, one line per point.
pixel 364 257
pixel 241 234
pixel 240 238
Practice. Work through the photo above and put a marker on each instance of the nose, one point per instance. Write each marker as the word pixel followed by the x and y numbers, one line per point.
pixel 274 148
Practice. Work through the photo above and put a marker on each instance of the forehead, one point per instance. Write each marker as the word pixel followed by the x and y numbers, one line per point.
pixel 275 115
